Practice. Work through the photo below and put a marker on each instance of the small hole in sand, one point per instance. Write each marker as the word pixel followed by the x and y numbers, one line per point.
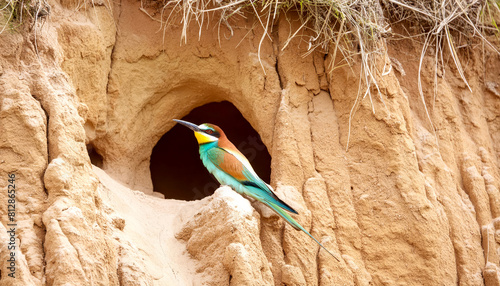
pixel 95 158
pixel 176 168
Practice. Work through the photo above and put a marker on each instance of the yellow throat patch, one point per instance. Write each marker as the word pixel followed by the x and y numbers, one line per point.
pixel 203 138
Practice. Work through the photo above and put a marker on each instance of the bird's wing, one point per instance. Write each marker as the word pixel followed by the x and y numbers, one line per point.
pixel 238 167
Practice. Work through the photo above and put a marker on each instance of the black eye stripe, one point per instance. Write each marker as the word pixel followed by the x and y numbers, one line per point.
pixel 212 133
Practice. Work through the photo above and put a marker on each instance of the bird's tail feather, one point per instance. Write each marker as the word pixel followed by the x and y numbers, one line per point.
pixel 266 195
pixel 295 224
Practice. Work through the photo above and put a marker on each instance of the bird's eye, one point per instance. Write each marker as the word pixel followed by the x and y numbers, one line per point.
pixel 209 131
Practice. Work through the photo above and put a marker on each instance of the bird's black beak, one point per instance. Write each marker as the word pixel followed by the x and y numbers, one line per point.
pixel 189 125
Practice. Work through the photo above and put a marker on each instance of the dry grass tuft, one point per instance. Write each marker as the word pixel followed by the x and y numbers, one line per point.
pixel 11 13
pixel 14 13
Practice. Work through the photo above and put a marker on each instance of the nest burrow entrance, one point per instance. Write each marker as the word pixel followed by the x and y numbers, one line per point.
pixel 175 165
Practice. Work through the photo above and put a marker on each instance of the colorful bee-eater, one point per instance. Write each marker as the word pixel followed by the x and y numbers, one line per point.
pixel 230 167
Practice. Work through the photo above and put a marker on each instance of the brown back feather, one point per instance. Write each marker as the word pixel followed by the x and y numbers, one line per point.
pixel 224 142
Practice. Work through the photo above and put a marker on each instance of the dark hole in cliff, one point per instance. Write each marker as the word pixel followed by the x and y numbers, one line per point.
pixel 95 158
pixel 176 168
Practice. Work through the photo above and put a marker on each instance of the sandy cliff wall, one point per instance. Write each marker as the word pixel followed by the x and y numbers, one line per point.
pixel 413 200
